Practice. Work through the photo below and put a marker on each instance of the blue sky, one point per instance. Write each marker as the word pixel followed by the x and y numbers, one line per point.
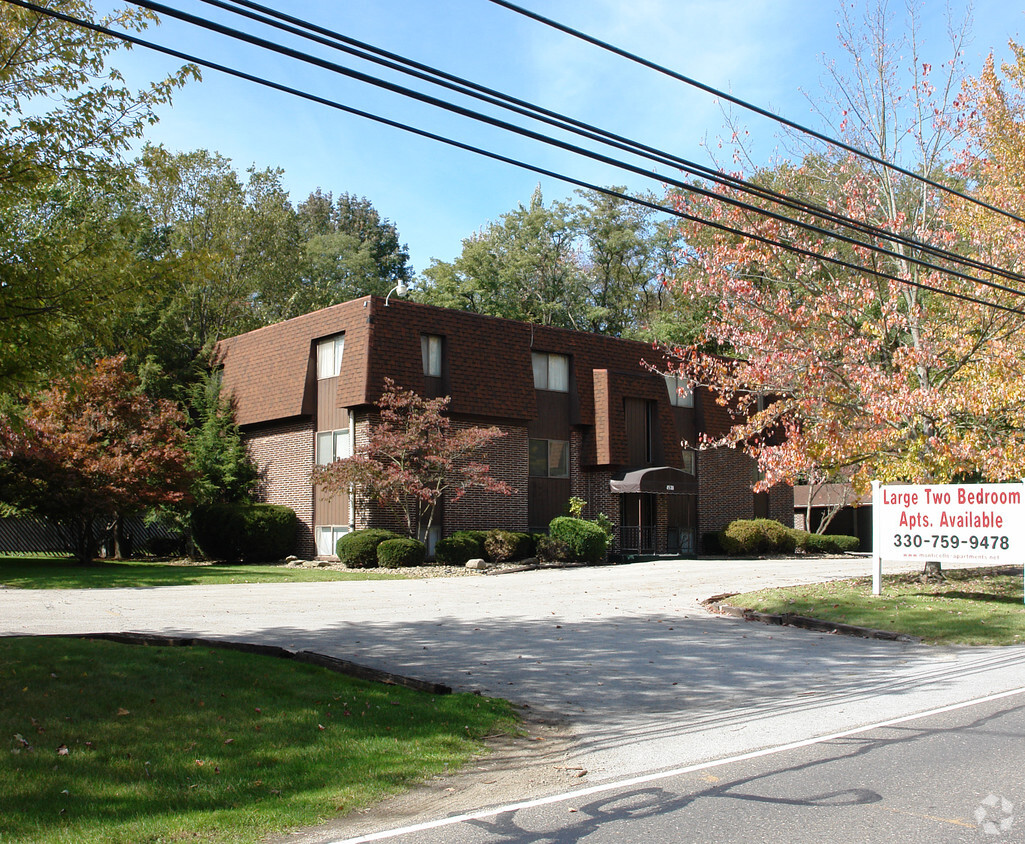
pixel 767 51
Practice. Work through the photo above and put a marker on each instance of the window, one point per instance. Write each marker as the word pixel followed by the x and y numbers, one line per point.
pixel 681 394
pixel 333 445
pixel 430 346
pixel 549 458
pixel 329 356
pixel 327 538
pixel 551 372
pixel 690 461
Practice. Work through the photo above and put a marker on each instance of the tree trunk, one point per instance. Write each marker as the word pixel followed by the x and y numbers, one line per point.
pixel 933 571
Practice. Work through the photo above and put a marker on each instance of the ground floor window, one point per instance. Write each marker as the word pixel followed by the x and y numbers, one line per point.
pixel 327 537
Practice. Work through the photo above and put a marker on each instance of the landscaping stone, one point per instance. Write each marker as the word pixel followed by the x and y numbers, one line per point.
pixel 477 565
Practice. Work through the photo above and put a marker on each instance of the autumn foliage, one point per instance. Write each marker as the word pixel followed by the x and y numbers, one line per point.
pixel 415 457
pixel 91 448
pixel 875 364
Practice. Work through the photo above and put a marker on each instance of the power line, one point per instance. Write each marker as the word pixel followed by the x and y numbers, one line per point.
pixel 679 77
pixel 367 52
pixel 793 248
pixel 462 111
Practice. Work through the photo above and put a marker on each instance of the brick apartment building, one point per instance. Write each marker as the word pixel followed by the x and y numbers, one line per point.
pixel 583 415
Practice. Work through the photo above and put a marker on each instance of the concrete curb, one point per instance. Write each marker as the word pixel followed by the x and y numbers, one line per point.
pixel 715 605
pixel 340 666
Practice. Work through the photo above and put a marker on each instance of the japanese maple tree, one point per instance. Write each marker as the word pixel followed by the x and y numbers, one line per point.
pixel 92 448
pixel 414 458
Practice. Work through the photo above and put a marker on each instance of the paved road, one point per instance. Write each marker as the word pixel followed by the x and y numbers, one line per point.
pixel 952 776
pixel 646 679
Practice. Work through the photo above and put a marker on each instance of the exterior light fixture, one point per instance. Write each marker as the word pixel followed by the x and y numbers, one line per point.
pixel 401 289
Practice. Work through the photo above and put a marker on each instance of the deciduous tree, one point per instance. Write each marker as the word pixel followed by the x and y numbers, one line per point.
pixel 879 372
pixel 92 448
pixel 414 458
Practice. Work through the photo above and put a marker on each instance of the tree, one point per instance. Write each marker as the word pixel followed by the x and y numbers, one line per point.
pixel 349 251
pixel 871 373
pixel 93 448
pixel 415 456
pixel 223 471
pixel 523 267
pixel 65 193
pixel 225 240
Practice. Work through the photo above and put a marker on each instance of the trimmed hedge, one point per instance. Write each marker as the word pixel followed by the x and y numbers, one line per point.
pixel 757 536
pixel 551 550
pixel 401 553
pixel 248 533
pixel 747 537
pixel 456 550
pixel 358 549
pixel 504 545
pixel 587 541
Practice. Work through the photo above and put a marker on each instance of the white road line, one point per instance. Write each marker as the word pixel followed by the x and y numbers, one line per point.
pixel 646 778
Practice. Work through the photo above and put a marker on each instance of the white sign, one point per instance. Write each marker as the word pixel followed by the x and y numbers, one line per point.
pixel 948 523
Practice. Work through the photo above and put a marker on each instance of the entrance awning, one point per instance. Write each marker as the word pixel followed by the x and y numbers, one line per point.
pixel 661 480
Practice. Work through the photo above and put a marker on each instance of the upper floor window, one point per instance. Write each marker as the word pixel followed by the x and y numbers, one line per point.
pixel 333 445
pixel 681 393
pixel 551 372
pixel 329 356
pixel 430 347
pixel 549 458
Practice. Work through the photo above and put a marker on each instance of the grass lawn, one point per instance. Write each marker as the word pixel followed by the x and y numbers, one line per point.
pixel 972 607
pixel 104 742
pixel 39 572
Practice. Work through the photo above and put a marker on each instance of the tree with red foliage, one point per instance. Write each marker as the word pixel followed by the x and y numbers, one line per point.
pixel 414 457
pixel 93 448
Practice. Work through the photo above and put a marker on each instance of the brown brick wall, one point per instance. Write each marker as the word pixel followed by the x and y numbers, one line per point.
pixel 284 455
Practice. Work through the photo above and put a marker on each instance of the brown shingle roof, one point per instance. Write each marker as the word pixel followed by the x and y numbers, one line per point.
pixel 270 371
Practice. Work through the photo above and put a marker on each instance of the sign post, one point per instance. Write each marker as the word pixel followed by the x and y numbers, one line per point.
pixel 947 523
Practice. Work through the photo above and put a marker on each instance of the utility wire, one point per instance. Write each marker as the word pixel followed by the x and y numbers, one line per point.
pixel 789 247
pixel 367 52
pixel 633 57
pixel 462 111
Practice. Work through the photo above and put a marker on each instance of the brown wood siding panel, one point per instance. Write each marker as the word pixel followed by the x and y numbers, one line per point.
pixel 635 413
pixel 552 422
pixel 330 417
pixel 548 497
pixel 330 509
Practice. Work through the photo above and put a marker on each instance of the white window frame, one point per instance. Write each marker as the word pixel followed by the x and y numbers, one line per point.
pixel 332 446
pixel 681 391
pixel 327 536
pixel 430 348
pixel 329 356
pixel 551 371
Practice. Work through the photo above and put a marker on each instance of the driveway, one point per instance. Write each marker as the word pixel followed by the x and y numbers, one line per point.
pixel 625 656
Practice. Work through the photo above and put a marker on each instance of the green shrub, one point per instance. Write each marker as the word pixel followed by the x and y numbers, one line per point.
pixel 588 542
pixel 477 537
pixel 847 543
pixel 248 533
pixel 504 545
pixel 744 537
pixel 455 550
pixel 358 549
pixel 552 550
pixel 401 553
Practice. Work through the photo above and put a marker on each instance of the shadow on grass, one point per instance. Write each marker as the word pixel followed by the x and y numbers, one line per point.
pixel 64 573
